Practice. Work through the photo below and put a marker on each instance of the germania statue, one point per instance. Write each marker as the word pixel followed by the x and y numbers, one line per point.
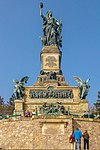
pixel 51 29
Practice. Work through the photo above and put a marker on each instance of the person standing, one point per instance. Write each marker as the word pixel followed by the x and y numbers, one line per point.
pixel 72 141
pixel 77 136
pixel 86 140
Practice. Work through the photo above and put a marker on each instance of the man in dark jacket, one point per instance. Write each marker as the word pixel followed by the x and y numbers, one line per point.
pixel 86 140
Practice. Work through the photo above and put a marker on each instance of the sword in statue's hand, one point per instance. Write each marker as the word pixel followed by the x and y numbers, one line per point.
pixel 41 6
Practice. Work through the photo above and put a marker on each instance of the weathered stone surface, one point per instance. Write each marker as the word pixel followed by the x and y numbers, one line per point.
pixel 53 129
pixel 27 133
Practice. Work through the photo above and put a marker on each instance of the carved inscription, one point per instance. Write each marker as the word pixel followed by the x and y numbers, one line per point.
pixel 53 129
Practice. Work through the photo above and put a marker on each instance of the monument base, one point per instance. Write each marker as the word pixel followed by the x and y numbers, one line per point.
pixel 19 107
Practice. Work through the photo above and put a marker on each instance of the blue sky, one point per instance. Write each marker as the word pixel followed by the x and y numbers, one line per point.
pixel 20 46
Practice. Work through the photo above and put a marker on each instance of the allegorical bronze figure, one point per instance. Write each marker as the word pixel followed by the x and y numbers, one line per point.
pixel 19 89
pixel 83 87
pixel 51 29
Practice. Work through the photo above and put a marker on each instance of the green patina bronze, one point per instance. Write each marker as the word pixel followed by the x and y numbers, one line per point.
pixel 19 89
pixel 52 109
pixel 51 93
pixel 52 29
pixel 83 87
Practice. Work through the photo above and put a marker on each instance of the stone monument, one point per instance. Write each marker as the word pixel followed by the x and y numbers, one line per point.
pixel 51 87
pixel 52 102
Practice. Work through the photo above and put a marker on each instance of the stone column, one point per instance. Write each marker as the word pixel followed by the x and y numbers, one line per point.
pixel 19 110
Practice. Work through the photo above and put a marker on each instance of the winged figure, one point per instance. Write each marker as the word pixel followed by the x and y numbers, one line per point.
pixel 83 87
pixel 19 87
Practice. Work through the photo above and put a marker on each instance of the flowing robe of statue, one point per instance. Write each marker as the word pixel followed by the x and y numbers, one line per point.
pixel 51 29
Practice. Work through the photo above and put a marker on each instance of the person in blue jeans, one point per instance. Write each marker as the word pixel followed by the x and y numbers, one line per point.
pixel 77 136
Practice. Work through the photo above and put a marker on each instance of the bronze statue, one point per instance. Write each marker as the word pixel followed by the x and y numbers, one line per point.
pixel 19 88
pixel 51 29
pixel 83 86
pixel 52 109
pixel 51 93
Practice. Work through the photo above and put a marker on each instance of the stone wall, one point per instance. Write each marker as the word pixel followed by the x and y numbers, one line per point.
pixel 45 132
pixel 35 134
pixel 93 128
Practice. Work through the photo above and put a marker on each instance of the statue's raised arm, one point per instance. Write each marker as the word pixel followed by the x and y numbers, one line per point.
pixel 41 7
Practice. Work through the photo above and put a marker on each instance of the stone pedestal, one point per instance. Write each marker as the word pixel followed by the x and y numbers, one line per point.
pixel 19 110
pixel 51 58
pixel 51 87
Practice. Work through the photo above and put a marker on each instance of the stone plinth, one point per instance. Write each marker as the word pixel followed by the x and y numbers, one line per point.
pixel 19 110
pixel 50 58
